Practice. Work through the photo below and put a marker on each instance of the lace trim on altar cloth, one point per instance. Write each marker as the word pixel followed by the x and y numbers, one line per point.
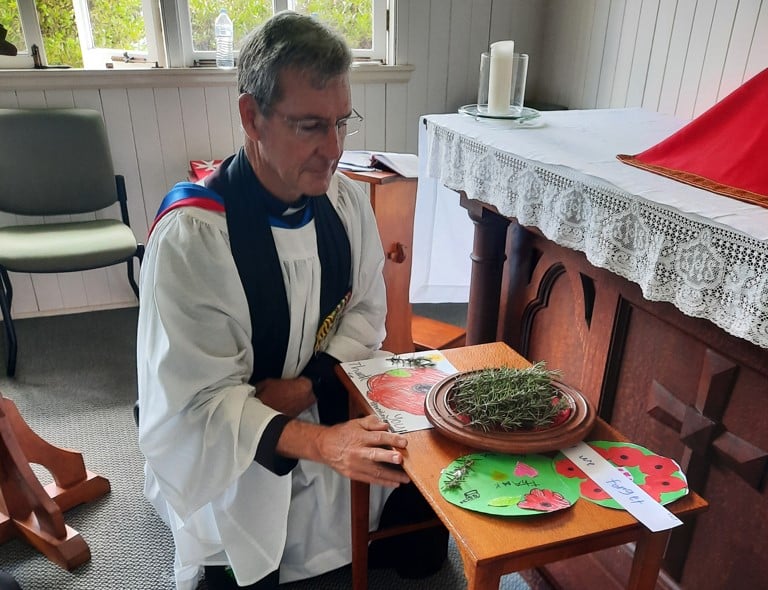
pixel 706 271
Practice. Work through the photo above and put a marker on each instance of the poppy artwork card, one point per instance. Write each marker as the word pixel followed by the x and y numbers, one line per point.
pixel 395 386
pixel 660 477
pixel 507 485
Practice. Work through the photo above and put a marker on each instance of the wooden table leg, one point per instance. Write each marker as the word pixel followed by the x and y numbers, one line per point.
pixel 646 563
pixel 487 269
pixel 479 578
pixel 361 499
pixel 482 580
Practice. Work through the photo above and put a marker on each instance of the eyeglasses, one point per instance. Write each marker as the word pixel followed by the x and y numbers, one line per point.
pixel 315 128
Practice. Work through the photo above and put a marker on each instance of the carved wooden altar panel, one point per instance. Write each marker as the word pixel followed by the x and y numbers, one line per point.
pixel 676 384
pixel 558 308
pixel 677 394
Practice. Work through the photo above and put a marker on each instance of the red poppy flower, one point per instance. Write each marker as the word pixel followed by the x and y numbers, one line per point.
pixel 543 501
pixel 589 489
pixel 655 485
pixel 656 465
pixel 403 388
pixel 567 468
pixel 622 456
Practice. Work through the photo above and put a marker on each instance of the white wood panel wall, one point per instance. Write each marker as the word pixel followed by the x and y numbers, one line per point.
pixel 674 56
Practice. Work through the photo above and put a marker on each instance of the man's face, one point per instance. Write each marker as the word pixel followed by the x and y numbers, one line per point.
pixel 299 144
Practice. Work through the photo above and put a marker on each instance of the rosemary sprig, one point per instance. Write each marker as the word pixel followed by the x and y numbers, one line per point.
pixel 411 361
pixel 457 476
pixel 507 399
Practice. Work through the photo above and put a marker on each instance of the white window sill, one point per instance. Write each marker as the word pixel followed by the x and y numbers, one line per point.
pixel 137 77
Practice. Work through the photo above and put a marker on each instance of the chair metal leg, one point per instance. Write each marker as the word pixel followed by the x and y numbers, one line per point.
pixel 140 255
pixel 6 298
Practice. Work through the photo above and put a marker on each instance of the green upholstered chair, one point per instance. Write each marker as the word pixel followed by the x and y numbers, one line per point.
pixel 57 162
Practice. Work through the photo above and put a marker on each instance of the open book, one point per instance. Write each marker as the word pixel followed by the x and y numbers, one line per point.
pixel 395 386
pixel 406 165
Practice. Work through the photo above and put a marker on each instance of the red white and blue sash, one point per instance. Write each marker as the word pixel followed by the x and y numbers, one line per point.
pixel 188 194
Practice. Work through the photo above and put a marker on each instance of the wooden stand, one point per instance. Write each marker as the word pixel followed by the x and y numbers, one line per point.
pixel 429 334
pixel 34 512
pixel 393 199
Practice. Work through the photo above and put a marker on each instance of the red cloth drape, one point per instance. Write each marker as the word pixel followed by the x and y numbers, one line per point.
pixel 723 150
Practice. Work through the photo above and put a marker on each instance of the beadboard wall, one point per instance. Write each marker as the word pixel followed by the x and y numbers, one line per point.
pixel 672 56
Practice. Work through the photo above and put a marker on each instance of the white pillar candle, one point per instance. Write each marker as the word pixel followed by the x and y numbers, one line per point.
pixel 500 77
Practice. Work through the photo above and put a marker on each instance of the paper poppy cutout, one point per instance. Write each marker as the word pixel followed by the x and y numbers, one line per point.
pixel 507 485
pixel 544 501
pixel 661 477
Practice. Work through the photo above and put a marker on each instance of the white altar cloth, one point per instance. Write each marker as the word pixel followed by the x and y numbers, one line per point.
pixel 705 253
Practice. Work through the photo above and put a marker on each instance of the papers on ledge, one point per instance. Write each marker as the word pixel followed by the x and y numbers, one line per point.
pixel 406 165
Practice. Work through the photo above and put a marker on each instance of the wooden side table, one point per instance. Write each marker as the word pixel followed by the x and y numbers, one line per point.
pixel 492 546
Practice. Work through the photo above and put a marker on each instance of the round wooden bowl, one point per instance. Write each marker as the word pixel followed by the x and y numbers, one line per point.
pixel 573 430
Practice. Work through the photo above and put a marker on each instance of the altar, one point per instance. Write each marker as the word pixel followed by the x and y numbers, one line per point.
pixel 649 295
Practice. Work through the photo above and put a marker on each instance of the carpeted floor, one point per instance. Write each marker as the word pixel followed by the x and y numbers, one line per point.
pixel 75 387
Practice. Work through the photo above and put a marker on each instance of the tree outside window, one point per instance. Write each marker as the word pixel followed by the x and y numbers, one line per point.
pixel 353 19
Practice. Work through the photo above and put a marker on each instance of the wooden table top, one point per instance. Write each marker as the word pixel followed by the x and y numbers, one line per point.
pixel 583 528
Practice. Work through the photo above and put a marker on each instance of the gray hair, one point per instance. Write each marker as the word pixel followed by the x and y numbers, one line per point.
pixel 289 40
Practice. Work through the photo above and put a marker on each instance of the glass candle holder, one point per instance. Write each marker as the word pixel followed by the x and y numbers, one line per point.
pixel 516 86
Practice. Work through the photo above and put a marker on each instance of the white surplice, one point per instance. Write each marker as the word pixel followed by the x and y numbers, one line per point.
pixel 200 422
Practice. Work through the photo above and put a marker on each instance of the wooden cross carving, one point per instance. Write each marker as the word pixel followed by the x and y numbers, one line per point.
pixel 701 427
pixel 702 431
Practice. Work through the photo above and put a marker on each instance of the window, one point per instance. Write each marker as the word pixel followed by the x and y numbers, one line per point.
pixel 94 33
pixel 189 24
pixel 81 33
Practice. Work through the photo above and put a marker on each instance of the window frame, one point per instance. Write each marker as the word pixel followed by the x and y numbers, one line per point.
pixel 169 35
pixel 93 57
pixel 181 52
pixel 30 28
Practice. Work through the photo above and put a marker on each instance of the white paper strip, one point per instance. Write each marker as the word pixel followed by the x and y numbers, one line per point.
pixel 626 492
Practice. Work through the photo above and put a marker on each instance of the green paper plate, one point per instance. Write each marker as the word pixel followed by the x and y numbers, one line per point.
pixel 660 476
pixel 507 485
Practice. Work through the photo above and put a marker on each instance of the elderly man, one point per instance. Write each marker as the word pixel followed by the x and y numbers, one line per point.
pixel 252 289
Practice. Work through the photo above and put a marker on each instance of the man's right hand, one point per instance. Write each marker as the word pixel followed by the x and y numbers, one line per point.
pixel 361 449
